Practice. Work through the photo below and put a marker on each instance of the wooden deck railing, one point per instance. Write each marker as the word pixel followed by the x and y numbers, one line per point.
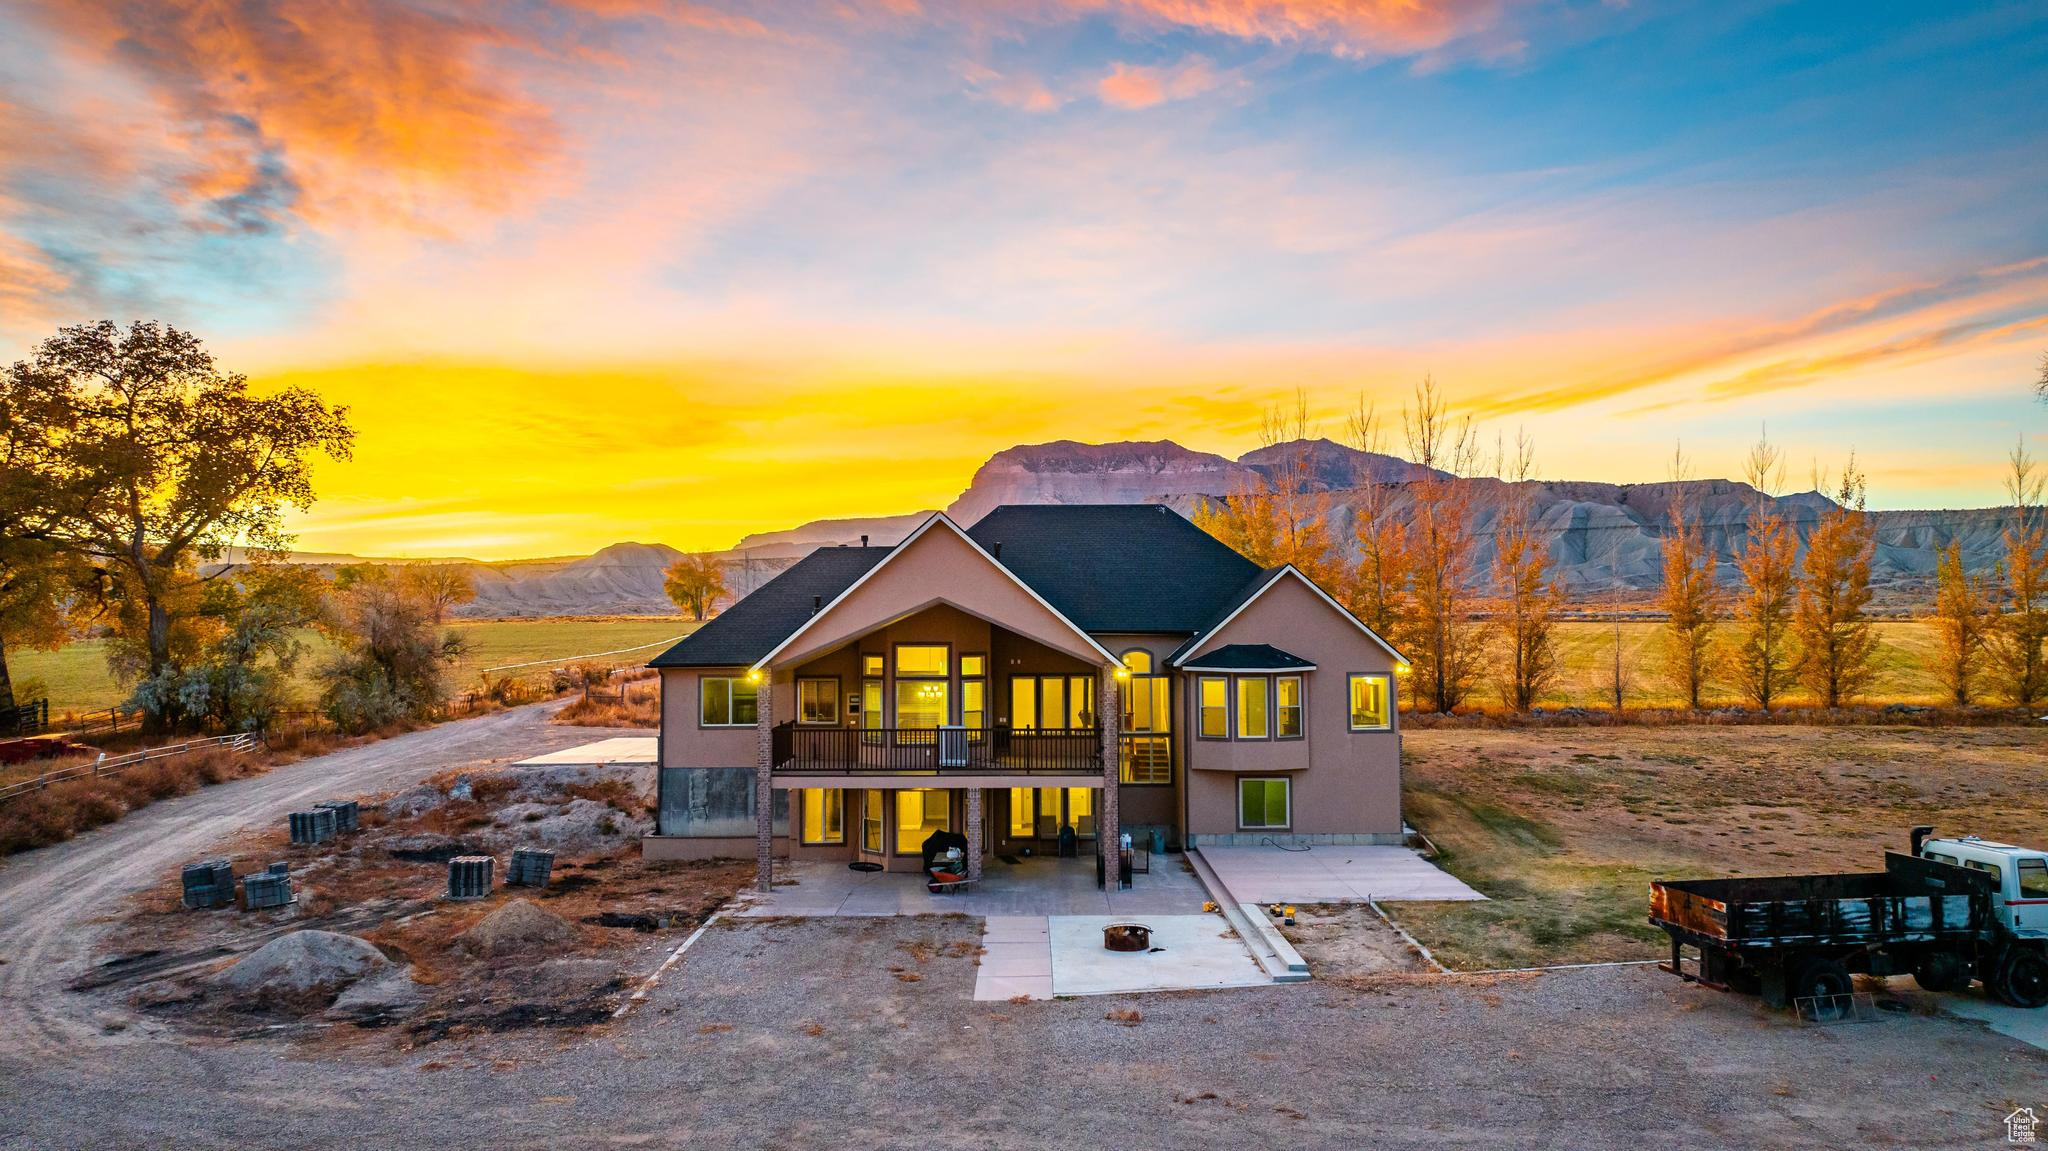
pixel 799 750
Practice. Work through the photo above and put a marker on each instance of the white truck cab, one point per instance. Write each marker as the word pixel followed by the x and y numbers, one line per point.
pixel 2020 872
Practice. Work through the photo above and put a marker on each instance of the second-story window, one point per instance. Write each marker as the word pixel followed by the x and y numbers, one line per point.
pixel 1287 713
pixel 728 701
pixel 923 696
pixel 1252 692
pixel 1213 698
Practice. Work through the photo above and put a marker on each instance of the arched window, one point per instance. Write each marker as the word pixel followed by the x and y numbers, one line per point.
pixel 1138 661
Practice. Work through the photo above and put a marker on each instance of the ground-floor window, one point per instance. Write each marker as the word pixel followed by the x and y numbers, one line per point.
pixel 919 812
pixel 824 815
pixel 1040 812
pixel 871 820
pixel 1264 803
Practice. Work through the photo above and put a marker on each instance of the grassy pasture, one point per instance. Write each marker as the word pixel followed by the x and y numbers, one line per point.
pixel 1563 828
pixel 77 680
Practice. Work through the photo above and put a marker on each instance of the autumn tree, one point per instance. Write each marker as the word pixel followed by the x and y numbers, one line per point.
pixel 245 633
pixel 166 462
pixel 1527 597
pixel 695 582
pixel 1764 663
pixel 390 657
pixel 2019 641
pixel 1963 618
pixel 442 587
pixel 1377 590
pixel 38 578
pixel 1280 514
pixel 1445 642
pixel 1691 599
pixel 1837 647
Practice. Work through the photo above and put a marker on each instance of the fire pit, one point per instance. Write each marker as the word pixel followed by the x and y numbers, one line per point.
pixel 1127 937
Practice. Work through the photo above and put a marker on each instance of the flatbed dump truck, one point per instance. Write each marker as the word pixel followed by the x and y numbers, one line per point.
pixel 1951 911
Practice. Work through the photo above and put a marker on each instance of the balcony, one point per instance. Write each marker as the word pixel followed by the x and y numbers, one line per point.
pixel 945 751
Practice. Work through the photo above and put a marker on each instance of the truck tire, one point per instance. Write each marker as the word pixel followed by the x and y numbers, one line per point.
pixel 1820 979
pixel 2021 978
pixel 1941 971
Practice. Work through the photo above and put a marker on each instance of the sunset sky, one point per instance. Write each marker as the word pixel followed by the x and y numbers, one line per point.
pixel 598 270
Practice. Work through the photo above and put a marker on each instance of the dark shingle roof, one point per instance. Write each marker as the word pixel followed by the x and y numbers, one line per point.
pixel 1237 599
pixel 1118 567
pixel 1250 657
pixel 751 628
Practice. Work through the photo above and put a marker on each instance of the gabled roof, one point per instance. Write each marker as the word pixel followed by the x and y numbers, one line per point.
pixel 1250 657
pixel 1259 585
pixel 751 628
pixel 1117 567
pixel 938 521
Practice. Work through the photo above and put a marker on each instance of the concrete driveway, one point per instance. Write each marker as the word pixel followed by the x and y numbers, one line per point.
pixel 1332 874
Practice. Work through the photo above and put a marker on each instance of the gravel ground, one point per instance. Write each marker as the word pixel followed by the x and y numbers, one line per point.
pixel 859 1033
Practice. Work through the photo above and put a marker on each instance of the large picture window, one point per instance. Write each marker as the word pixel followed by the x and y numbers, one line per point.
pixel 824 815
pixel 1214 702
pixel 817 701
pixel 1371 703
pixel 921 659
pixel 727 701
pixel 1052 701
pixel 1146 744
pixel 1252 691
pixel 1264 804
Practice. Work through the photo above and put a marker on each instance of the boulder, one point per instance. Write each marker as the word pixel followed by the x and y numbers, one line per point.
pixel 304 963
pixel 516 928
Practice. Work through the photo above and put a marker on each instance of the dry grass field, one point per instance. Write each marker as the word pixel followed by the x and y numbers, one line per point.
pixel 76 676
pixel 1564 827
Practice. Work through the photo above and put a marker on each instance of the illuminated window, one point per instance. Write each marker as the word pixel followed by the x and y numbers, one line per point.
pixel 1251 706
pixel 921 659
pixel 824 811
pixel 974 704
pixel 919 812
pixel 871 820
pixel 920 703
pixel 1369 703
pixel 1287 707
pixel 1138 662
pixel 871 710
pixel 1022 810
pixel 727 701
pixel 973 665
pixel 817 701
pixel 1263 803
pixel 871 665
pixel 1215 707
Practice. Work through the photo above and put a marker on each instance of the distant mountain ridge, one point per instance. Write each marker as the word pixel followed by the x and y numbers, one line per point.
pixel 1605 539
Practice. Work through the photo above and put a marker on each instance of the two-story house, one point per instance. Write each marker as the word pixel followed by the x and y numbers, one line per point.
pixel 1052 674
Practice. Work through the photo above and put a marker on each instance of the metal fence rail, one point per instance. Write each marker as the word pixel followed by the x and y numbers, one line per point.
pixel 112 764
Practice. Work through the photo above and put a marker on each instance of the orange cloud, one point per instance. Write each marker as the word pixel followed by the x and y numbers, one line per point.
pixel 1355 28
pixel 1135 86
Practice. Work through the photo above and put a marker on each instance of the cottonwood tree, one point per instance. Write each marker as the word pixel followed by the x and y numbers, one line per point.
pixel 442 587
pixel 1377 590
pixel 246 631
pixel 1963 620
pixel 1528 600
pixel 390 660
pixel 1691 599
pixel 38 579
pixel 1446 643
pixel 1837 647
pixel 167 461
pixel 1765 661
pixel 2019 641
pixel 1281 515
pixel 695 582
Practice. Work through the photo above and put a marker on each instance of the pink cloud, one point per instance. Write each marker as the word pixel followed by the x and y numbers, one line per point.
pixel 1137 86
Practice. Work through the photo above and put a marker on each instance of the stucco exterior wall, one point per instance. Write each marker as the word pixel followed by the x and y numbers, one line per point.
pixel 1344 782
pixel 683 743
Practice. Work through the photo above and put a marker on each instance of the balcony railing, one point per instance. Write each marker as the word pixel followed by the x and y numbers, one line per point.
pixel 800 750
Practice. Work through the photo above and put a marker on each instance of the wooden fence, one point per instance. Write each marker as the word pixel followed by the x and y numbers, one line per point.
pixel 111 764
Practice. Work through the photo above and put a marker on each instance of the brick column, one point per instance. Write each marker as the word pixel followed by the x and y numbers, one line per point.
pixel 764 785
pixel 1109 714
pixel 974 837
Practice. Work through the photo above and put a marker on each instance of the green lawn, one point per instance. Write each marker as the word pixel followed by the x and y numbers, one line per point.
pixel 76 677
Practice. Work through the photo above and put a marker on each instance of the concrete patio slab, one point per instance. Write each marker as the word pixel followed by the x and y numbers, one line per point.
pixel 621 749
pixel 1192 953
pixel 1032 888
pixel 1332 874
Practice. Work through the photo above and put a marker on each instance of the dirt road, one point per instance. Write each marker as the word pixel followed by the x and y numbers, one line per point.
pixel 53 900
